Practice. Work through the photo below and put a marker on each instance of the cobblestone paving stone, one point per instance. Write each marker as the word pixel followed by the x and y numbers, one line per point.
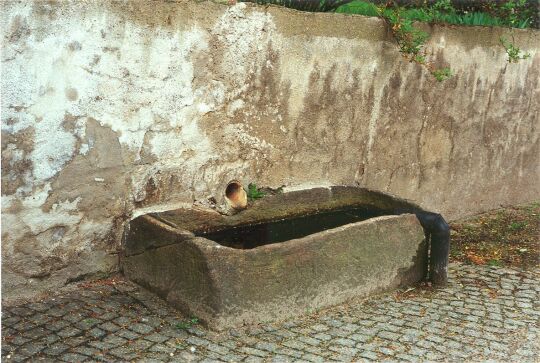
pixel 485 313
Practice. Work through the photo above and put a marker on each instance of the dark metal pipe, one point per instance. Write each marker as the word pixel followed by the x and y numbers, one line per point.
pixel 438 234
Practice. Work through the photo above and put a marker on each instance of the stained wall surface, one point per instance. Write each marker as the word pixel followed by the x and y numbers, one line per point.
pixel 114 109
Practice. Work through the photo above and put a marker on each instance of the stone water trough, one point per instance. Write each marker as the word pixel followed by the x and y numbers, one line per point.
pixel 285 255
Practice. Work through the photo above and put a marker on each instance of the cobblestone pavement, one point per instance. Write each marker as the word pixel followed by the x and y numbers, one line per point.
pixel 485 313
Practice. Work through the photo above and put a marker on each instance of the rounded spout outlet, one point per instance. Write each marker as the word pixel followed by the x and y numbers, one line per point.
pixel 235 195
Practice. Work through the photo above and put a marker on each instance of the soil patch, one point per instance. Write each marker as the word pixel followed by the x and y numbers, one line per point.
pixel 503 237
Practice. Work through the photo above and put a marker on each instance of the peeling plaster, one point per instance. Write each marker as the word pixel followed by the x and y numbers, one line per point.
pixel 231 29
pixel 113 110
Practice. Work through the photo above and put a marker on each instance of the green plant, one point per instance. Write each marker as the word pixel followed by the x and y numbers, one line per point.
pixel 514 53
pixel 254 192
pixel 442 74
pixel 184 325
pixel 515 13
pixel 359 7
pixel 495 263
pixel 517 226
pixel 181 345
pixel 443 6
pixel 410 39
pixel 306 5
pixel 510 13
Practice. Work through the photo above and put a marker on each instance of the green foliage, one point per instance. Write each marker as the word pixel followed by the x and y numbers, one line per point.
pixel 444 6
pixel 442 74
pixel 254 192
pixel 420 59
pixel 306 5
pixel 517 226
pixel 184 325
pixel 514 53
pixel 410 39
pixel 359 7
pixel 495 263
pixel 513 13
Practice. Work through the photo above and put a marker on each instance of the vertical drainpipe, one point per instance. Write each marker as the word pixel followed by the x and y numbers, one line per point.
pixel 438 233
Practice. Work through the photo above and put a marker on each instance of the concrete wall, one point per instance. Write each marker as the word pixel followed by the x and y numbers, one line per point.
pixel 113 109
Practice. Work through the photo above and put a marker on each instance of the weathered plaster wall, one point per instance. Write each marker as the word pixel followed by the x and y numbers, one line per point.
pixel 116 108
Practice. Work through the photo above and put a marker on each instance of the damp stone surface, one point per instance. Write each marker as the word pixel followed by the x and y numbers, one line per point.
pixel 261 279
pixel 115 109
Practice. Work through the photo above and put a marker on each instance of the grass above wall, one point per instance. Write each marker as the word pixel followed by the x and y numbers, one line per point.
pixel 508 13
pixel 433 15
pixel 400 17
